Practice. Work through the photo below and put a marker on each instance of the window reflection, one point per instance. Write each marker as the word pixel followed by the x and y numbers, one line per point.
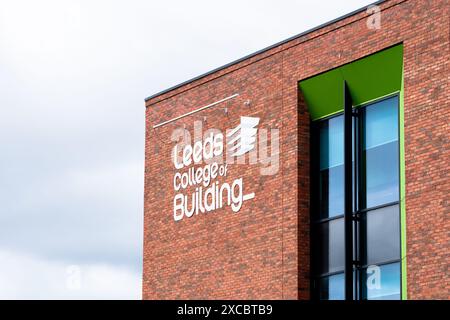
pixel 382 232
pixel 381 282
pixel 331 247
pixel 331 197
pixel 380 153
pixel 332 287
pixel 376 184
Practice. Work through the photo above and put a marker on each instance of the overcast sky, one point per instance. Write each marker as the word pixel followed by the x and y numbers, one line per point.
pixel 73 78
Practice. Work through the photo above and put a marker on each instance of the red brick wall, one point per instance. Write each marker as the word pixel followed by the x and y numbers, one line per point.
pixel 262 252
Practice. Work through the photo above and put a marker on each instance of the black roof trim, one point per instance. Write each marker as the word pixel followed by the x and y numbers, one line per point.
pixel 264 50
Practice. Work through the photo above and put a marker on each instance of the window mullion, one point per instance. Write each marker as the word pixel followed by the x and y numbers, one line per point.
pixel 348 196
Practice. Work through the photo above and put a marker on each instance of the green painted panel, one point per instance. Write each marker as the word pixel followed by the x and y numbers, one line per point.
pixel 324 94
pixel 368 78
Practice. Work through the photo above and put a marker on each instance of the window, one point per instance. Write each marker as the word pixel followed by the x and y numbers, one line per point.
pixel 380 153
pixel 382 286
pixel 332 287
pixel 331 159
pixel 376 208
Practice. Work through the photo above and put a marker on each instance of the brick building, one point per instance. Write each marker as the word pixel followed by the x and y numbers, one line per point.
pixel 359 180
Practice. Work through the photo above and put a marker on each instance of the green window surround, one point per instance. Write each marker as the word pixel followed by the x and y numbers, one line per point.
pixel 375 85
pixel 368 79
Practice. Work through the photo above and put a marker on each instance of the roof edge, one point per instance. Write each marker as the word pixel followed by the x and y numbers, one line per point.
pixel 323 25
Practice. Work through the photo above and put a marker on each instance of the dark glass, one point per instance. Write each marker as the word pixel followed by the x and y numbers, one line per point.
pixel 381 282
pixel 332 287
pixel 377 236
pixel 380 153
pixel 381 229
pixel 331 198
pixel 331 175
pixel 330 246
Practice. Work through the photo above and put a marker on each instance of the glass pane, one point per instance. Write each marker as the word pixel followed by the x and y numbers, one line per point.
pixel 330 246
pixel 382 231
pixel 381 282
pixel 380 152
pixel 381 122
pixel 332 142
pixel 331 194
pixel 331 197
pixel 332 287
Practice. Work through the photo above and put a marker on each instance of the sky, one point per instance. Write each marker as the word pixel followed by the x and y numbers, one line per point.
pixel 73 79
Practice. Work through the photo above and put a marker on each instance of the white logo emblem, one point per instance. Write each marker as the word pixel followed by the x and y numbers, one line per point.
pixel 242 138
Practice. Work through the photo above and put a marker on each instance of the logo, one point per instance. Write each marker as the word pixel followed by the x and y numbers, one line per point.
pixel 202 167
pixel 243 137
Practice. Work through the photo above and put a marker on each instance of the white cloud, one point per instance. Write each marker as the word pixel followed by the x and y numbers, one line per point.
pixel 73 78
pixel 28 277
pixel 90 214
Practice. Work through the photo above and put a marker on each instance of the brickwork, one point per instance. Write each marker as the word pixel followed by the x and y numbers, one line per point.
pixel 262 252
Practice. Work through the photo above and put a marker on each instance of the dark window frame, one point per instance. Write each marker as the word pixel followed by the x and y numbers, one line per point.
pixel 357 193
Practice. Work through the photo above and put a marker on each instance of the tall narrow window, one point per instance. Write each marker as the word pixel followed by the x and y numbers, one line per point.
pixel 328 214
pixel 331 196
pixel 380 153
pixel 378 214
pixel 376 210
